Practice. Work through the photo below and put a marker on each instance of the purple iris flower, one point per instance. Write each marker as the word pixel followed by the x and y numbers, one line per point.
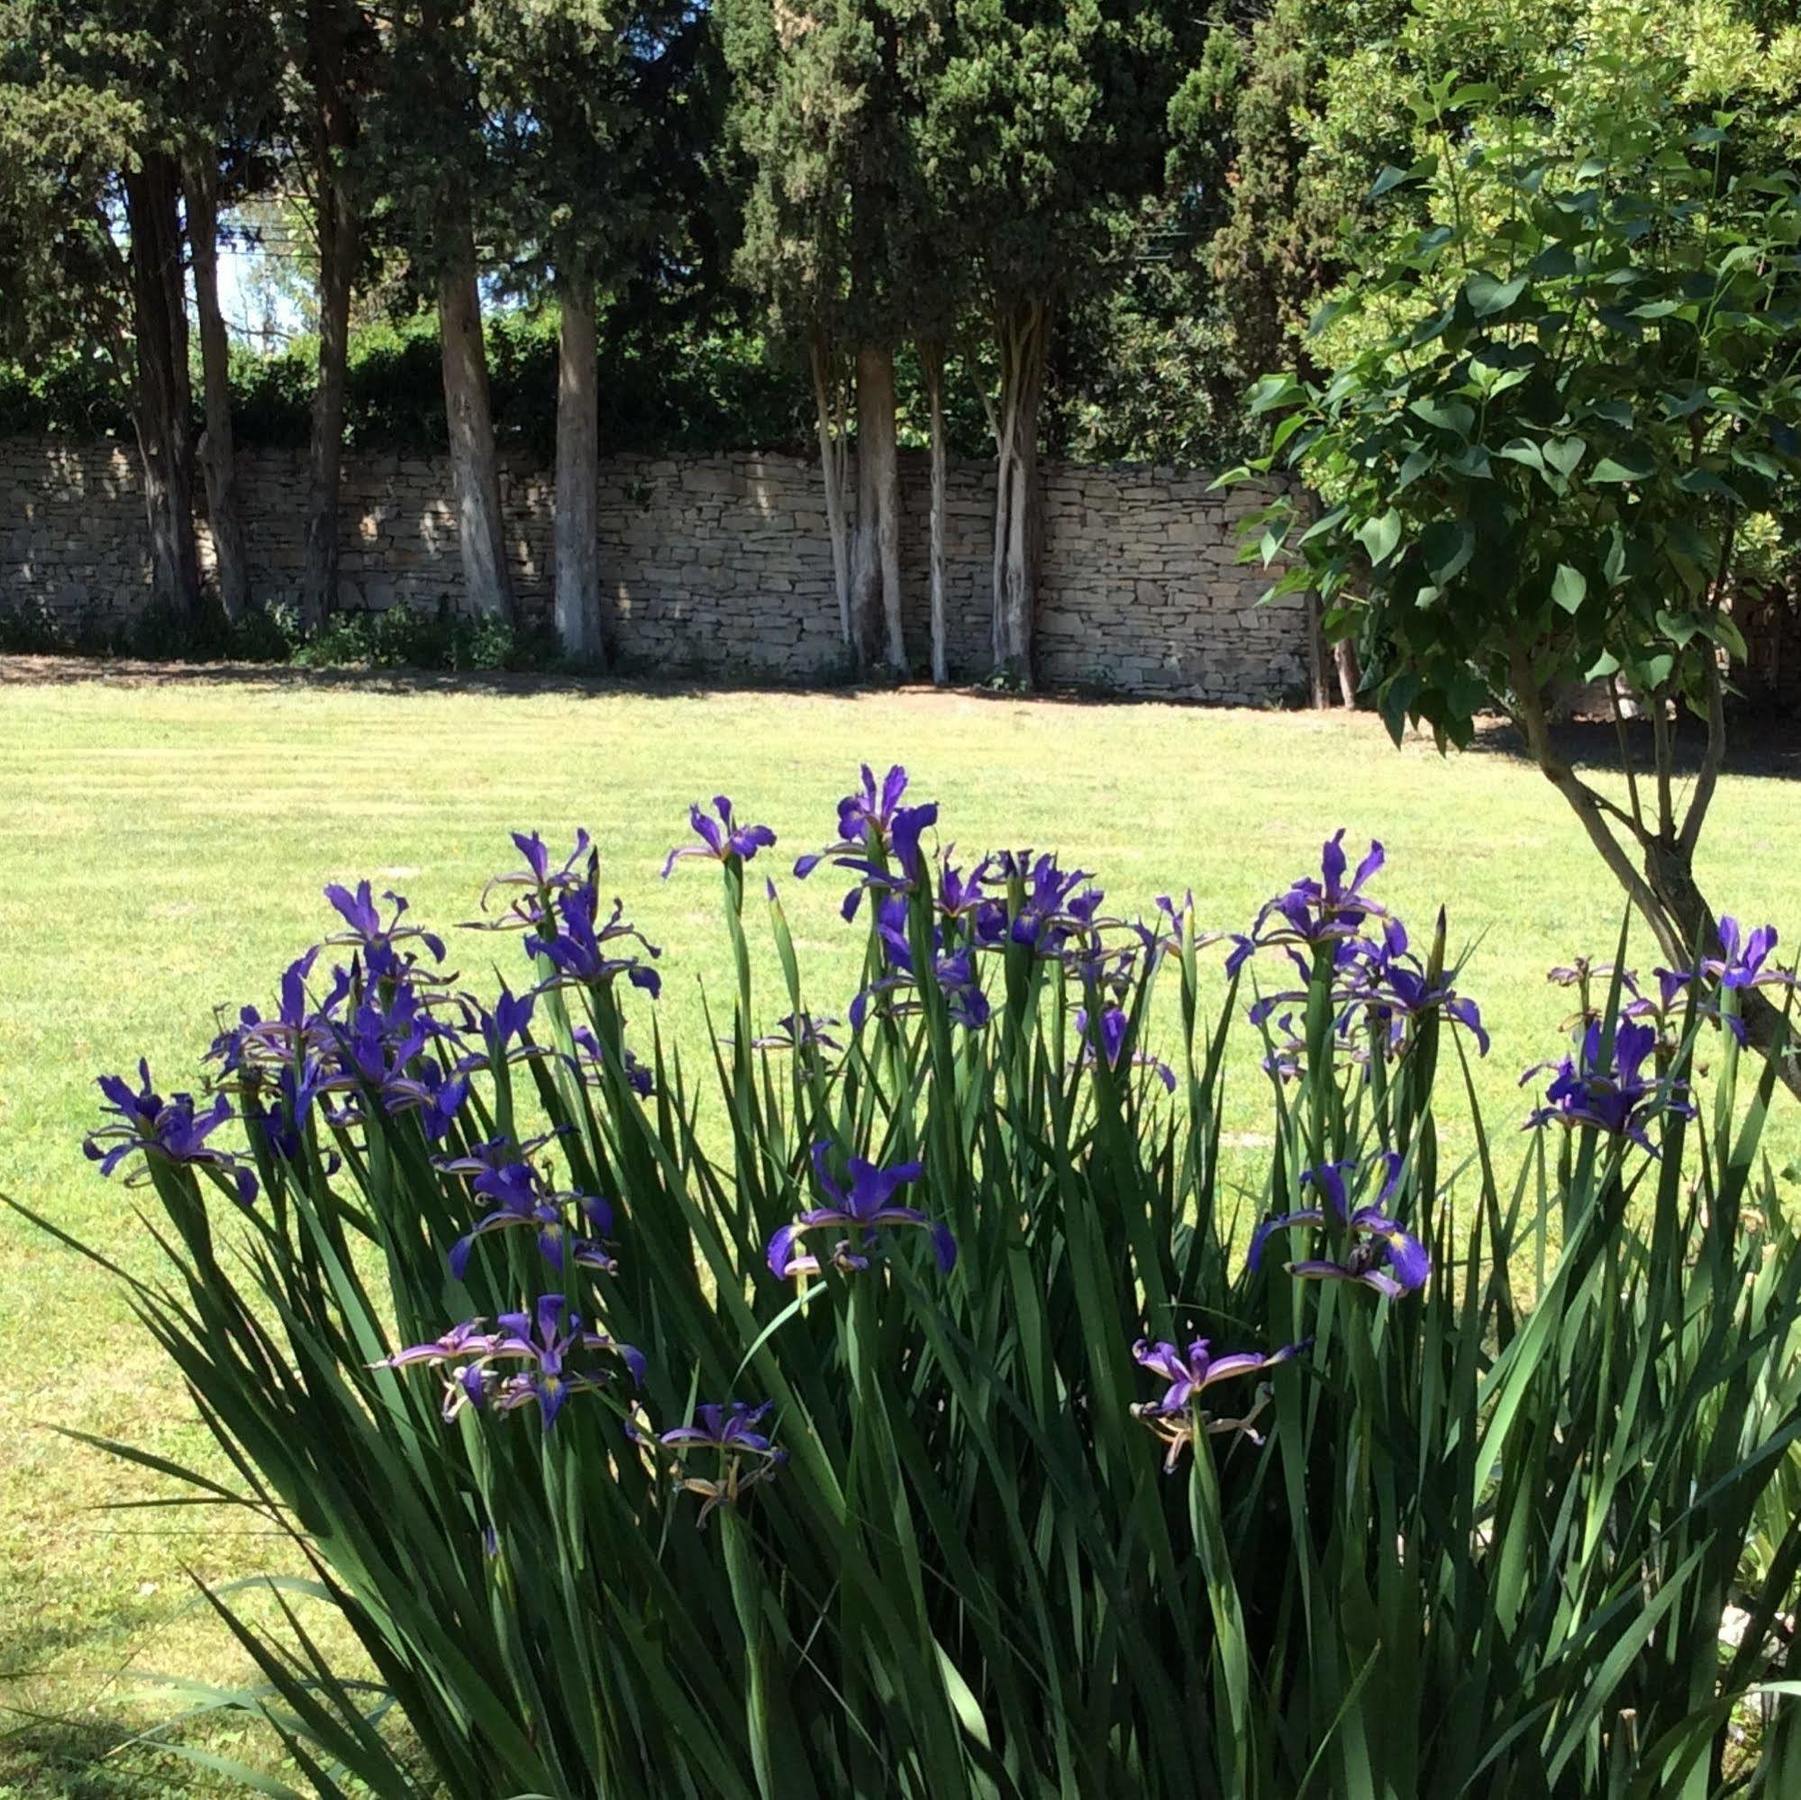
pixel 1393 987
pixel 871 809
pixel 1108 1042
pixel 363 919
pixel 1740 965
pixel 579 949
pixel 1046 903
pixel 546 1338
pixel 538 877
pixel 861 1211
pixel 1607 1086
pixel 871 823
pixel 466 1339
pixel 721 839
pixel 1381 1256
pixel 732 1428
pixel 1315 912
pixel 434 1094
pixel 955 974
pixel 1189 1376
pixel 173 1129
pixel 500 1173
pixel 746 1455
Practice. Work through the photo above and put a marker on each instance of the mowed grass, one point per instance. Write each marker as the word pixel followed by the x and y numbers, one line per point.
pixel 164 845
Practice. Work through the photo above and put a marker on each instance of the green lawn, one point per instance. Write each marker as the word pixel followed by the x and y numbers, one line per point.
pixel 165 841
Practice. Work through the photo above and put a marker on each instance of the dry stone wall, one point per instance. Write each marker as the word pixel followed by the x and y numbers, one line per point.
pixel 716 564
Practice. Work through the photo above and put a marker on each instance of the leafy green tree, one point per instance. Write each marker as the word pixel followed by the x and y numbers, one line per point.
pixel 597 118
pixel 107 114
pixel 1553 408
pixel 331 54
pixel 823 109
pixel 431 157
pixel 1042 137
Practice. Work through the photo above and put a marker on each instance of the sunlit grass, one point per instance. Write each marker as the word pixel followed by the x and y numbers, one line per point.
pixel 165 845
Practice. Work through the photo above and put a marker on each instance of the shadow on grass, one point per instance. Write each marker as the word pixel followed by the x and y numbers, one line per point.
pixel 21 671
pixel 94 1757
pixel 1765 743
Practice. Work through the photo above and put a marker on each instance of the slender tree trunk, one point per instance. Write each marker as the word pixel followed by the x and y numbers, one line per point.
pixel 829 411
pixel 1023 332
pixel 336 225
pixel 875 582
pixel 161 388
pixel 1350 677
pixel 575 549
pixel 218 462
pixel 931 361
pixel 481 532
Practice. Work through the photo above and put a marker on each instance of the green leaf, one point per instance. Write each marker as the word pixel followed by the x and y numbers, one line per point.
pixel 1523 450
pixel 1447 546
pixel 1419 460
pixel 1487 294
pixel 1563 454
pixel 1448 415
pixel 1568 586
pixel 1623 468
pixel 1380 535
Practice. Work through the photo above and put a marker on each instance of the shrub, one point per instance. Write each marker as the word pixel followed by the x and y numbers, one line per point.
pixel 897 1407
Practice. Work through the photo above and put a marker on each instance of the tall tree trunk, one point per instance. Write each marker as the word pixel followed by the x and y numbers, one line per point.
pixel 334 133
pixel 161 391
pixel 1022 332
pixel 1350 676
pixel 218 461
pixel 875 582
pixel 475 470
pixel 931 361
pixel 575 545
pixel 828 407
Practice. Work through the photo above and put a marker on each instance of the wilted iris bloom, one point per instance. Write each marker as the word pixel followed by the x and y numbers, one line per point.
pixel 722 838
pixel 173 1129
pixel 746 1454
pixel 1175 1417
pixel 581 950
pixel 1316 912
pixel 1607 1086
pixel 1165 934
pixel 799 1031
pixel 1379 1253
pixel 861 1211
pixel 1107 1043
pixel 539 879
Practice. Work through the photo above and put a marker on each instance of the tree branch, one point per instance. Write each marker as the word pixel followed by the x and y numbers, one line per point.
pixel 1588 806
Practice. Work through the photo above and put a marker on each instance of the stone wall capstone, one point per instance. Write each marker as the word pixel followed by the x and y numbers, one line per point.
pixel 715 564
